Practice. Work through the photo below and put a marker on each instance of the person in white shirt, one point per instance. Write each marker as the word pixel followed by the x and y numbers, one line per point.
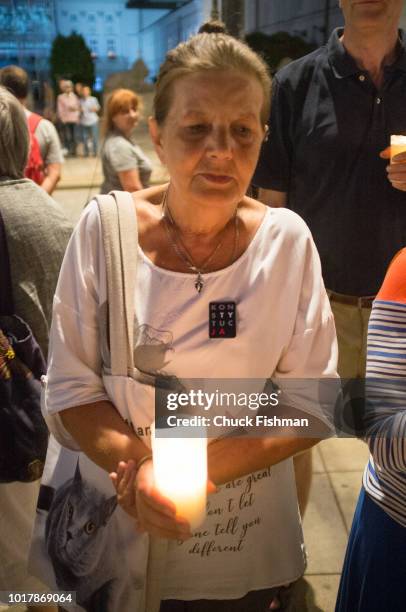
pixel 202 241
pixel 89 120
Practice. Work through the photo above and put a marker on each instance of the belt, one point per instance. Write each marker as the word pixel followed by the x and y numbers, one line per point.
pixel 351 300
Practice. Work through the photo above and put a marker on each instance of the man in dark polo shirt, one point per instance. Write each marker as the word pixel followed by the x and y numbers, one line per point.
pixel 332 114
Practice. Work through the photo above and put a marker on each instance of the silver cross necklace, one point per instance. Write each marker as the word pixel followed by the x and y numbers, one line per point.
pixel 181 251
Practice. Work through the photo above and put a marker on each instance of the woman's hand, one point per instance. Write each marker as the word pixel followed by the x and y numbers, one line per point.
pixel 137 495
pixel 397 169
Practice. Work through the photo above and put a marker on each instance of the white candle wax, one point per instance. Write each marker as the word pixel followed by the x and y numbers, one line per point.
pixel 397 145
pixel 180 470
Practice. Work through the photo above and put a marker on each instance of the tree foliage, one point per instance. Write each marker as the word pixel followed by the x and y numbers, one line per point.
pixel 276 47
pixel 71 59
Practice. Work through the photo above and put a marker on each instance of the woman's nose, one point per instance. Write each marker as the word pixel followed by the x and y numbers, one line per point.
pixel 220 143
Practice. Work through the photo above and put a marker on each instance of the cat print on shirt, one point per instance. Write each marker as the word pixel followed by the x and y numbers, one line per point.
pixel 83 546
pixel 153 349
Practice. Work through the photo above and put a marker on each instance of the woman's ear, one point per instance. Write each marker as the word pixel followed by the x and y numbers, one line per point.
pixel 156 136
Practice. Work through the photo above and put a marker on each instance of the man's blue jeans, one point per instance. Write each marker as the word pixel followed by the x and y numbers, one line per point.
pixel 90 133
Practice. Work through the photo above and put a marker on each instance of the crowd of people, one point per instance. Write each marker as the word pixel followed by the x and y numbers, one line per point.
pixel 313 272
pixel 78 118
pixel 77 128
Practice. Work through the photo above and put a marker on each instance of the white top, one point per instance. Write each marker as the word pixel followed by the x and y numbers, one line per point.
pixel 90 107
pixel 252 536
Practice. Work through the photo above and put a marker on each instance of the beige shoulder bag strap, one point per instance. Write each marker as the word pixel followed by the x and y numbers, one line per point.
pixel 120 240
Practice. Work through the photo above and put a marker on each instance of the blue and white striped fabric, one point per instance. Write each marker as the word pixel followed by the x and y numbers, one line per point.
pixel 385 474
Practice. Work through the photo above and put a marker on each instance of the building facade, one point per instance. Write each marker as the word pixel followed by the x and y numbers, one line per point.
pixel 27 29
pixel 110 29
pixel 165 33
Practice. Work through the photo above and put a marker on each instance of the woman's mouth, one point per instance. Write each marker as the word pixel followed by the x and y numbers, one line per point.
pixel 219 179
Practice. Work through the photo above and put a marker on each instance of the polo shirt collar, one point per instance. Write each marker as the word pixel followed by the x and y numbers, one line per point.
pixel 400 62
pixel 344 64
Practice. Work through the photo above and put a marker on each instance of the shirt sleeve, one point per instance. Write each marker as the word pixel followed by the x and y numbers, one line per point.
pixel 48 139
pixel 122 155
pixel 74 371
pixel 385 413
pixel 95 103
pixel 275 161
pixel 307 370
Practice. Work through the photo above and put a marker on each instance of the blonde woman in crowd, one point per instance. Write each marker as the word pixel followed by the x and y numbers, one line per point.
pixel 125 166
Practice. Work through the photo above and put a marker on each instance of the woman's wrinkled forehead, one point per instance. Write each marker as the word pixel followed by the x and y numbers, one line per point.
pixel 216 91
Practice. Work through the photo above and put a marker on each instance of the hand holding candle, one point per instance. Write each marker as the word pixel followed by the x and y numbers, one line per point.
pixel 139 498
pixel 397 168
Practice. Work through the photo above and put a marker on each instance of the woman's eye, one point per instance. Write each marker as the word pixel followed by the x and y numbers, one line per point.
pixel 199 128
pixel 243 130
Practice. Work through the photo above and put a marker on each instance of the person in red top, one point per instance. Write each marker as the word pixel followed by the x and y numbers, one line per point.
pixel 46 159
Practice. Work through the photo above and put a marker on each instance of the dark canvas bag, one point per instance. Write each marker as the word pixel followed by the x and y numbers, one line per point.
pixel 23 432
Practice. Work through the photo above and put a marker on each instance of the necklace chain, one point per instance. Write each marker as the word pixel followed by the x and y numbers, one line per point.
pixel 181 251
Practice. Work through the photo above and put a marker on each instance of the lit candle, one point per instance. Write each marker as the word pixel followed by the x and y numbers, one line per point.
pixel 180 470
pixel 397 145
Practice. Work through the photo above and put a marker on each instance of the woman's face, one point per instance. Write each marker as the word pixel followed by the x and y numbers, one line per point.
pixel 211 138
pixel 126 120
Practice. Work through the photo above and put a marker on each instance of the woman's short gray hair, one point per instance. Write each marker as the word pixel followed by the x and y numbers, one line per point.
pixel 14 136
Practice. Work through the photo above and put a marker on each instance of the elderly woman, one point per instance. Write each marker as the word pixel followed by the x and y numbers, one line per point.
pixel 202 241
pixel 37 233
pixel 125 166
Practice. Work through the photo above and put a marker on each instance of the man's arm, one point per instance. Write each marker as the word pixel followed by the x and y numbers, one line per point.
pixel 51 151
pixel 270 197
pixel 53 174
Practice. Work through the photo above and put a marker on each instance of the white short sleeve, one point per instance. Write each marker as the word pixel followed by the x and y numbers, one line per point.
pixel 122 155
pixel 307 371
pixel 74 370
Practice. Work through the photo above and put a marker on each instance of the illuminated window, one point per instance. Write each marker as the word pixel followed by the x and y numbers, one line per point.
pixel 111 45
